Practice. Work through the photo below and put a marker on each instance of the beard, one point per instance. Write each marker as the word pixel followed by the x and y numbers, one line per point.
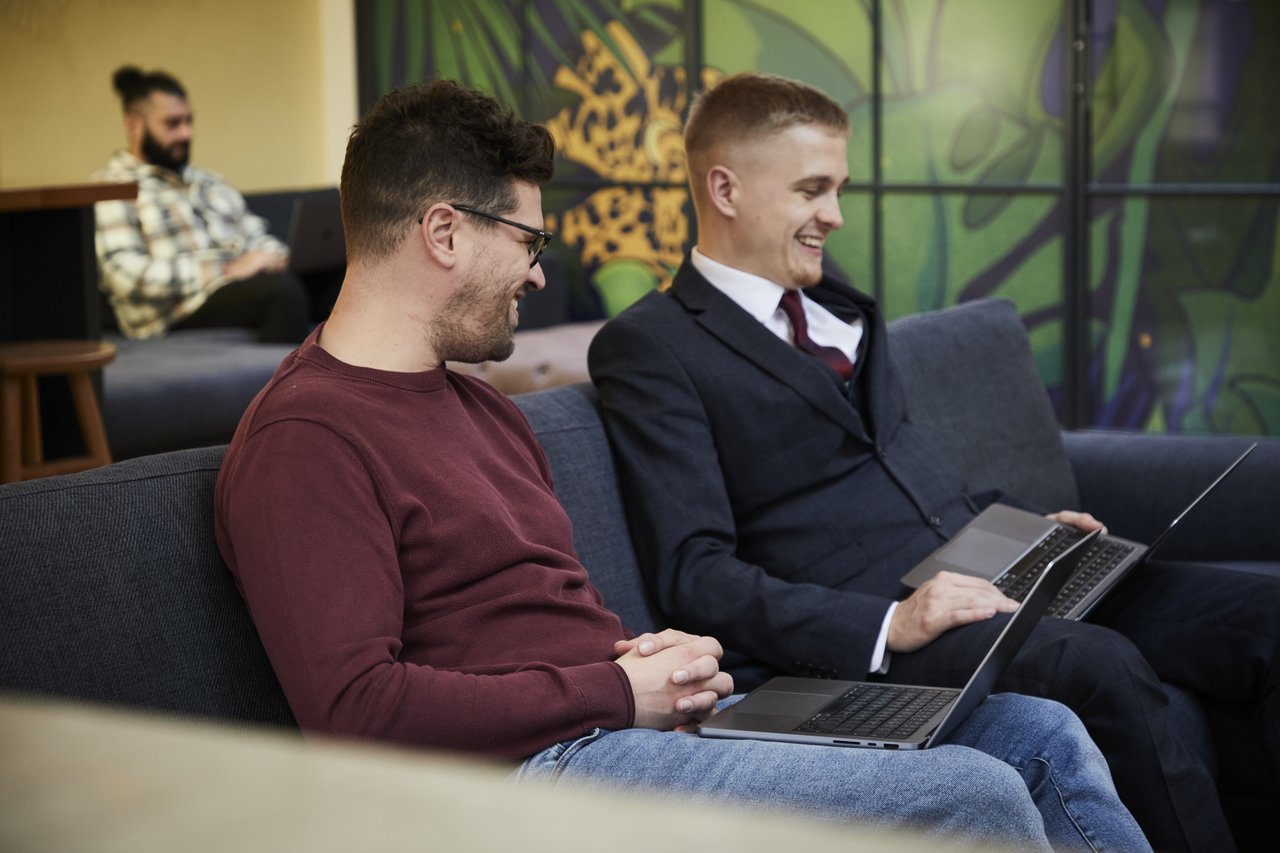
pixel 173 158
pixel 475 325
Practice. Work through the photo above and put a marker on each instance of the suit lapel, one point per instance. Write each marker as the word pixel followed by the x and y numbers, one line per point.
pixel 740 332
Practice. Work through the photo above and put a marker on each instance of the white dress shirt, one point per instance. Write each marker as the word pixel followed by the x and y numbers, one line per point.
pixel 760 298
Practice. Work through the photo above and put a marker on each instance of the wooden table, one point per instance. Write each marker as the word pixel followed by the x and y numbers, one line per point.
pixel 48 272
pixel 49 283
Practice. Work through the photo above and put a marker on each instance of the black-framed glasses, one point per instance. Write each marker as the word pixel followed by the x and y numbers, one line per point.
pixel 540 238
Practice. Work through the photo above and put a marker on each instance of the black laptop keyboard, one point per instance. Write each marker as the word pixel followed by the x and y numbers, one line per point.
pixel 879 711
pixel 1098 561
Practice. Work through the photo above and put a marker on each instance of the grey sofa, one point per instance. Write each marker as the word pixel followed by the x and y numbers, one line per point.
pixel 189 388
pixel 115 591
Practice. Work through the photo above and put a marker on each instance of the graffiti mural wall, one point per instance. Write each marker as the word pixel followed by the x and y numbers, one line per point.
pixel 959 182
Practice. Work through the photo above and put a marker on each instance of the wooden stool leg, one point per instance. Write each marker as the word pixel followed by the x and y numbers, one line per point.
pixel 95 436
pixel 11 411
pixel 32 440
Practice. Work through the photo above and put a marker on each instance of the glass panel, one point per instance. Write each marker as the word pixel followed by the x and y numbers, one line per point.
pixel 477 43
pixel 1183 91
pixel 973 92
pixel 826 43
pixel 848 249
pixel 1187 292
pixel 945 248
pixel 616 243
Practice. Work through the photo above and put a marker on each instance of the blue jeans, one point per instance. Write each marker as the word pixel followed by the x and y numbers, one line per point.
pixel 1019 770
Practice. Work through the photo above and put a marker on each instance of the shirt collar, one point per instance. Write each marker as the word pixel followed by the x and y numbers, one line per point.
pixel 757 296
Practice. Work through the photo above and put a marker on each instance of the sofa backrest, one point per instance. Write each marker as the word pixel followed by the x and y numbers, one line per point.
pixel 114 592
pixel 567 423
pixel 972 385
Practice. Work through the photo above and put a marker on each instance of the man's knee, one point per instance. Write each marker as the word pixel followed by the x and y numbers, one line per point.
pixel 992 799
pixel 1078 661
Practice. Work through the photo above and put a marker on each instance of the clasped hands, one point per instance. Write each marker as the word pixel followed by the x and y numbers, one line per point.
pixel 949 599
pixel 675 677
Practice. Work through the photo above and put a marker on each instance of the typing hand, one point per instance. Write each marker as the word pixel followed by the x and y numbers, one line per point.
pixel 1082 520
pixel 943 602
pixel 676 681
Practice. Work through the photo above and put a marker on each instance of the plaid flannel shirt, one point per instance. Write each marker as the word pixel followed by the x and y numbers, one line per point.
pixel 162 255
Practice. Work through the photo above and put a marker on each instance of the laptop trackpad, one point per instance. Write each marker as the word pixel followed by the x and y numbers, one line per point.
pixel 984 553
pixel 775 702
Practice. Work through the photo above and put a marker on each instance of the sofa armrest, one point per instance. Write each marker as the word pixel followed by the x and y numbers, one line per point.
pixel 1137 483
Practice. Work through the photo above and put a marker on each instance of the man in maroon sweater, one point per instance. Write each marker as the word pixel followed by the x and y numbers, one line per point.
pixel 393 529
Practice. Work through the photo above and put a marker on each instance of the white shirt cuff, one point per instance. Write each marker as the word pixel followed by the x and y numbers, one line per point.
pixel 881 656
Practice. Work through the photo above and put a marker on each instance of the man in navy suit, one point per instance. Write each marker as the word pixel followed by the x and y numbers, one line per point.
pixel 778 490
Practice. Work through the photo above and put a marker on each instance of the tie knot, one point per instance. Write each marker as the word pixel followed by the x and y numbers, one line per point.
pixel 830 356
pixel 792 307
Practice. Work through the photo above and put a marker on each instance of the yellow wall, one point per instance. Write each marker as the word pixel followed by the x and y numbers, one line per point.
pixel 272 83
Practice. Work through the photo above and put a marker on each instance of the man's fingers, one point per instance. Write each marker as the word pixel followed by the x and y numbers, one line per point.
pixel 944 580
pixel 703 703
pixel 698 670
pixel 1083 520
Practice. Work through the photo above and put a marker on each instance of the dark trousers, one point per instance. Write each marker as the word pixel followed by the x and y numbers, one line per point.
pixel 1212 631
pixel 273 304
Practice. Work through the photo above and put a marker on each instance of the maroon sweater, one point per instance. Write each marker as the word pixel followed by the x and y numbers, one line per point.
pixel 408 566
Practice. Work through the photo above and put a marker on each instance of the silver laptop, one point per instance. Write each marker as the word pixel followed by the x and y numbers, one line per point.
pixel 886 716
pixel 316 241
pixel 1010 548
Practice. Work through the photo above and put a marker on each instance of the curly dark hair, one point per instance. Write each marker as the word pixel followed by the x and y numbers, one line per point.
pixel 133 84
pixel 428 143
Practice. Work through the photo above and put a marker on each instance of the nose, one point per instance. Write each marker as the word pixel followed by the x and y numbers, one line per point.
pixel 537 277
pixel 830 215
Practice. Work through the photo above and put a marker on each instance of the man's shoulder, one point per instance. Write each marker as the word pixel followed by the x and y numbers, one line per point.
pixel 198 175
pixel 122 166
pixel 657 308
pixel 656 319
pixel 299 392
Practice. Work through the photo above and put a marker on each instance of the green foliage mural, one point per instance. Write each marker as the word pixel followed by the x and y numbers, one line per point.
pixel 969 112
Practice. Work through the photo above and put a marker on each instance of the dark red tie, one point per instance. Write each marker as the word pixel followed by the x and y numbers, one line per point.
pixel 830 356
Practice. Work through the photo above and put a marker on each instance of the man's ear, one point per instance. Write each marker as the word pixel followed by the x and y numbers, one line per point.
pixel 724 190
pixel 439 234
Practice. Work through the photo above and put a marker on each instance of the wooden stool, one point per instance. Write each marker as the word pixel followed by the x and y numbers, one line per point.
pixel 22 453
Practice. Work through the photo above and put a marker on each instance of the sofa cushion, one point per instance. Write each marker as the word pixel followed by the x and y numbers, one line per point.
pixel 115 592
pixel 185 389
pixel 972 386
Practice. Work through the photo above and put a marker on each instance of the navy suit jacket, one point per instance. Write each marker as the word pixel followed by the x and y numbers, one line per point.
pixel 766 509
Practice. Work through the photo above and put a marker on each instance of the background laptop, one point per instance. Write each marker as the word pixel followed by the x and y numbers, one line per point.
pixel 1010 548
pixel 887 716
pixel 316 241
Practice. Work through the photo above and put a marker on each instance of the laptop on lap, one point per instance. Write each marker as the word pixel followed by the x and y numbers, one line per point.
pixel 1010 548
pixel 316 241
pixel 887 716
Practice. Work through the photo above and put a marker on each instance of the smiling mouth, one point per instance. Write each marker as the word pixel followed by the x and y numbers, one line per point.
pixel 811 242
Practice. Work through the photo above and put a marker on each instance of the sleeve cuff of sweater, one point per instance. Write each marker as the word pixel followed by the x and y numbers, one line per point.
pixel 606 692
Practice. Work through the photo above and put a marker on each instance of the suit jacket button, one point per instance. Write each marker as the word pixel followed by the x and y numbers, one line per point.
pixel 935 522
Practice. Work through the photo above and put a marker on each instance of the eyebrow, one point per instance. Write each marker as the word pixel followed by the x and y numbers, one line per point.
pixel 821 181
